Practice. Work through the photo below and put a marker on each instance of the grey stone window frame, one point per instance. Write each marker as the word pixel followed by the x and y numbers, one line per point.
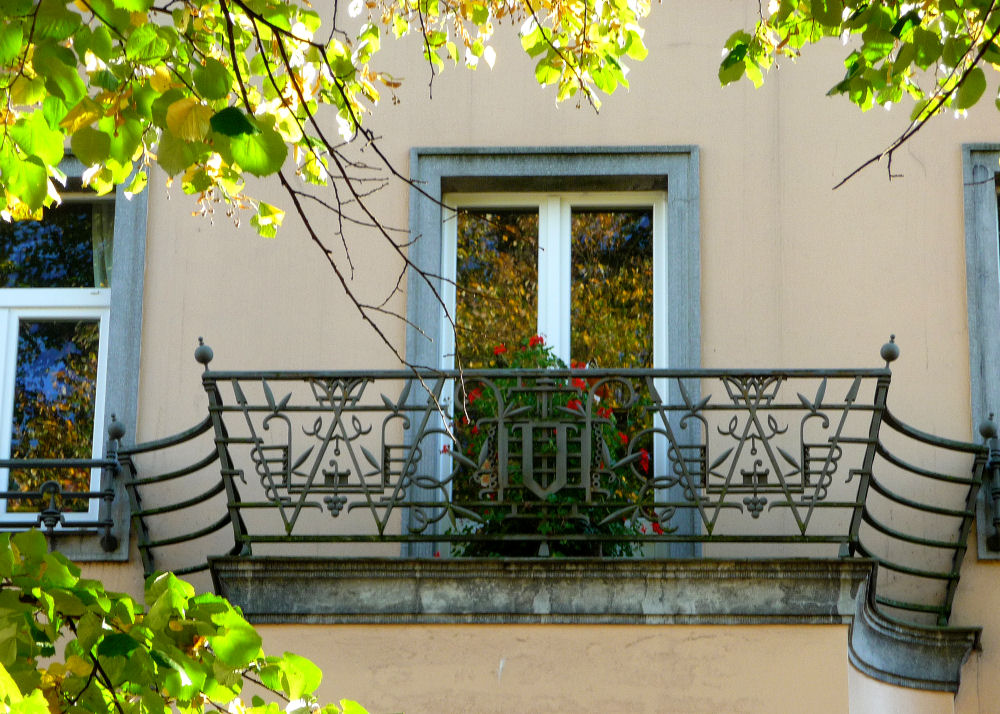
pixel 436 171
pixel 121 395
pixel 980 167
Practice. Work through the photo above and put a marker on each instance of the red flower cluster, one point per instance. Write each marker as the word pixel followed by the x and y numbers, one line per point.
pixel 474 394
pixel 580 384
pixel 536 341
pixel 657 528
pixel 604 412
pixel 500 349
pixel 575 404
pixel 622 438
pixel 644 460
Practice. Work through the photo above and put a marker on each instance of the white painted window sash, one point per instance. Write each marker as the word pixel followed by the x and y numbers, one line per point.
pixel 555 258
pixel 44 304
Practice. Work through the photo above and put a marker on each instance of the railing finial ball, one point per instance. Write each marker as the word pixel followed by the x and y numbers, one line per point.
pixel 203 353
pixel 890 350
pixel 988 428
pixel 116 430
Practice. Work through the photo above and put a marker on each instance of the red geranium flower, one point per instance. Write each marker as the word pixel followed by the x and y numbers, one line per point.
pixel 622 438
pixel 580 384
pixel 604 412
pixel 644 460
pixel 475 429
pixel 657 528
pixel 575 405
pixel 500 349
pixel 536 340
pixel 445 449
pixel 474 394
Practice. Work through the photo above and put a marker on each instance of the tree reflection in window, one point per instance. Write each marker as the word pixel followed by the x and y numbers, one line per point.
pixel 497 281
pixel 54 395
pixel 612 288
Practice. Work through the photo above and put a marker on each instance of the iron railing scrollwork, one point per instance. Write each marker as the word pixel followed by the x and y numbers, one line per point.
pixel 58 506
pixel 558 462
pixel 743 463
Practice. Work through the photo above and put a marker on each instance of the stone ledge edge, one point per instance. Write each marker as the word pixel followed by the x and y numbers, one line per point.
pixel 401 591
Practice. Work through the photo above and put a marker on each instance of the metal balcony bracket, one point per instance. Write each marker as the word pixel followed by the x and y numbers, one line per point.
pixel 905 654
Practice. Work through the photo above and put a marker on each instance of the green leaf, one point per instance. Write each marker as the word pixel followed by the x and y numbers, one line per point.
pixel 238 644
pixel 100 43
pixel 213 81
pixel 16 8
pixel 54 110
pixel 55 22
pixel 146 45
pixel 231 121
pixel 545 72
pixel 928 47
pixel 30 545
pixel 971 90
pixel 117 644
pixel 906 24
pixel 301 676
pixel 134 5
pixel 57 65
pixel 90 145
pixel 125 138
pixel 29 182
pixel 259 154
pixel 828 12
pixel 10 42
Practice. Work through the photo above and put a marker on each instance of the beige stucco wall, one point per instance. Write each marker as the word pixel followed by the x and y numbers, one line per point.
pixel 793 274
pixel 538 668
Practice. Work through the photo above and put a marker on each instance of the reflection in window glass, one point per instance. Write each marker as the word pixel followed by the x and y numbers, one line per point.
pixel 54 398
pixel 497 281
pixel 612 288
pixel 70 247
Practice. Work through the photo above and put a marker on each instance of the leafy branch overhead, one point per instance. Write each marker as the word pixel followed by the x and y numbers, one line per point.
pixel 213 91
pixel 935 52
pixel 67 645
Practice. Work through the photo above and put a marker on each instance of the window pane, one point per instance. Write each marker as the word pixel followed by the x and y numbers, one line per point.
pixel 54 393
pixel 497 281
pixel 69 248
pixel 612 274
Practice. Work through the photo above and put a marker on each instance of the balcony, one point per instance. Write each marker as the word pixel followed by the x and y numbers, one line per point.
pixel 572 496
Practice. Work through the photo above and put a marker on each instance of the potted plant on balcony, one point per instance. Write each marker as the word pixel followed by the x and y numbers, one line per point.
pixel 542 460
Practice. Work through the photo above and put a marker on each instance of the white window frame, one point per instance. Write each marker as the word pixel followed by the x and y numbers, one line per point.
pixel 51 304
pixel 120 343
pixel 555 258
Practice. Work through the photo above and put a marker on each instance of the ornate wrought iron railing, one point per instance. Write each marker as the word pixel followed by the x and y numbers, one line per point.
pixel 58 505
pixel 530 463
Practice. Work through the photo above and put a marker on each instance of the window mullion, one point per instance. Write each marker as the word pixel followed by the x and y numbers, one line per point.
pixel 553 275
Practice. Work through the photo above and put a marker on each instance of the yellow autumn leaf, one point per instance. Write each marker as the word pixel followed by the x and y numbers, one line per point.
pixel 83 114
pixel 78 665
pixel 161 80
pixel 188 119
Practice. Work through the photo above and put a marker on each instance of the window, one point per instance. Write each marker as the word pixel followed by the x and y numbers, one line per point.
pixel 981 164
pixel 546 197
pixel 584 269
pixel 70 304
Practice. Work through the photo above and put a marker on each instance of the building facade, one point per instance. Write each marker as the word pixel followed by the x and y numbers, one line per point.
pixel 767 569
